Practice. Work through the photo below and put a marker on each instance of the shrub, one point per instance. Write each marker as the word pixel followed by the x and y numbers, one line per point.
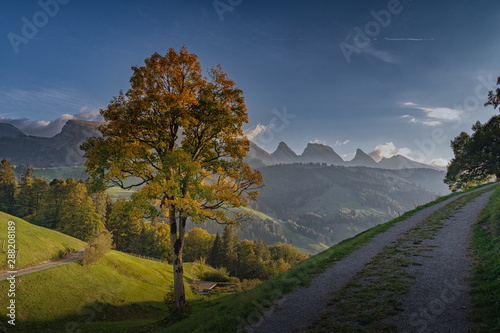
pixel 172 314
pixel 248 284
pixel 98 247
pixel 218 275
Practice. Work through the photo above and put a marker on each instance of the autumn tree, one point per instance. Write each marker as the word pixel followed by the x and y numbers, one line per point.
pixel 179 133
pixel 7 187
pixel 198 245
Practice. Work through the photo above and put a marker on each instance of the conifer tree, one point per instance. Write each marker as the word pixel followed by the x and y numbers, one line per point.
pixel 7 187
pixel 216 258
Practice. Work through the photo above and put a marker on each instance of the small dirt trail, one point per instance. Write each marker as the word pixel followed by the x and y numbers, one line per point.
pixel 298 310
pixel 439 300
pixel 46 265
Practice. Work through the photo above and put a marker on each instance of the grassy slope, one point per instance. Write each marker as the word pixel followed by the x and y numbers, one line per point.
pixel 486 277
pixel 119 287
pixel 35 244
pixel 304 244
pixel 235 311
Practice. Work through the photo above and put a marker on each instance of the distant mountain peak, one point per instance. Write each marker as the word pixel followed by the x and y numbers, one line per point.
pixel 319 153
pixel 283 154
pixel 362 159
pixel 401 162
pixel 10 131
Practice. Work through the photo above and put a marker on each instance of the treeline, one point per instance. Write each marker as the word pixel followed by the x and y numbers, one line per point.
pixel 243 259
pixel 68 206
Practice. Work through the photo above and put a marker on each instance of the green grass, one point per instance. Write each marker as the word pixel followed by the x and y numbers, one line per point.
pixel 117 193
pixel 235 311
pixel 117 288
pixel 304 244
pixel 35 244
pixel 118 291
pixel 486 275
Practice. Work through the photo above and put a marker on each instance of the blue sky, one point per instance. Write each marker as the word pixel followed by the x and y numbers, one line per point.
pixel 386 76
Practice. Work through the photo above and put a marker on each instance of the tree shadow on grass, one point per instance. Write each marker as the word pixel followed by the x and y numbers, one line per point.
pixel 97 317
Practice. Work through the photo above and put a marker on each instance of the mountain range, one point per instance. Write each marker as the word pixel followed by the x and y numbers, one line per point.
pixel 63 150
pixel 60 150
pixel 319 153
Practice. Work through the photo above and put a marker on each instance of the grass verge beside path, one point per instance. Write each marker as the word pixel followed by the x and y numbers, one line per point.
pixel 235 311
pixel 485 292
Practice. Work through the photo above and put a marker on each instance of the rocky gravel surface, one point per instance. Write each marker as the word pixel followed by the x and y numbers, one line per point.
pixel 439 300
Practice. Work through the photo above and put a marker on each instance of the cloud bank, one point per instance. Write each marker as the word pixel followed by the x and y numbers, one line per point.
pixel 389 150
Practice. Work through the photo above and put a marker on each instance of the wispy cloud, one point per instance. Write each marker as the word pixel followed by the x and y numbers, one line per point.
pixel 321 142
pixel 17 100
pixel 409 39
pixel 434 116
pixel 341 143
pixel 252 132
pixel 381 55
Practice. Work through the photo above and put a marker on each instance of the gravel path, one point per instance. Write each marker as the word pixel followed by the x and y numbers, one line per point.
pixel 298 310
pixel 439 300
pixel 52 263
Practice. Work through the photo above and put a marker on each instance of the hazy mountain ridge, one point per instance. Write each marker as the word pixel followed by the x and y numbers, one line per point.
pixel 319 153
pixel 331 203
pixel 60 150
pixel 63 150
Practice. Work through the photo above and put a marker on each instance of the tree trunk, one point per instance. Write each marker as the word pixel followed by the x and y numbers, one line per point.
pixel 177 243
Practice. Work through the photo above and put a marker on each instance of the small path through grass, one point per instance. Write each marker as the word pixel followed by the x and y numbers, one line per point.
pixel 299 310
pixel 439 300
pixel 45 265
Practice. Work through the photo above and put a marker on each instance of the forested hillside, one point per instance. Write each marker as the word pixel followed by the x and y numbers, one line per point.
pixel 315 205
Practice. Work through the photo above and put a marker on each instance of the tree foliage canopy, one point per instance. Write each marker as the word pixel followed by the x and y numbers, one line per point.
pixel 178 133
pixel 477 156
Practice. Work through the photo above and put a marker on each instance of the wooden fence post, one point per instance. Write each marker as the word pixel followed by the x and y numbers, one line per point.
pixel 3 245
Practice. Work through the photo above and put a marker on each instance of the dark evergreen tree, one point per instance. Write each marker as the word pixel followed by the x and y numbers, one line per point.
pixel 216 258
pixel 231 241
pixel 30 197
pixel 50 210
pixel 7 187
